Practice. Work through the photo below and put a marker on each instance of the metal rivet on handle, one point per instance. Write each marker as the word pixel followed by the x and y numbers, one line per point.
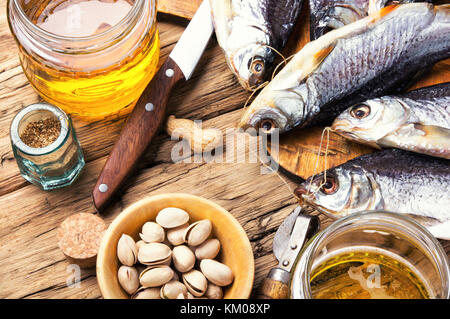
pixel 285 263
pixel 169 73
pixel 149 107
pixel 103 188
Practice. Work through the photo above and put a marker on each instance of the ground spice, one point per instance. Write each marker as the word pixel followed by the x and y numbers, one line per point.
pixel 41 133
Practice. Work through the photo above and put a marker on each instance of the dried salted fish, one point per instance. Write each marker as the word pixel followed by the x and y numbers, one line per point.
pixel 417 121
pixel 371 57
pixel 248 32
pixel 392 180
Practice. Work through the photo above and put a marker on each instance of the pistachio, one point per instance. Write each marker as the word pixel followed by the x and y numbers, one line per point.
pixel 172 289
pixel 127 250
pixel 213 292
pixel 172 217
pixel 198 232
pixel 216 272
pixel 175 235
pixel 195 282
pixel 154 254
pixel 169 239
pixel 183 258
pixel 156 276
pixel 208 249
pixel 147 293
pixel 152 233
pixel 128 278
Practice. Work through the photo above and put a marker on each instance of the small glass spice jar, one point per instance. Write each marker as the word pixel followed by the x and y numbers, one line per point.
pixel 46 147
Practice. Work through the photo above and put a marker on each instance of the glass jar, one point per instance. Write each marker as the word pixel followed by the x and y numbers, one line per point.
pixel 387 233
pixel 88 76
pixel 56 165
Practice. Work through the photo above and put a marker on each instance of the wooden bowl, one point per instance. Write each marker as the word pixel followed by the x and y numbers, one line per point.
pixel 236 251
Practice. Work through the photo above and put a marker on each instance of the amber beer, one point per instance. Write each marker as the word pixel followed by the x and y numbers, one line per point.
pixel 367 273
pixel 92 58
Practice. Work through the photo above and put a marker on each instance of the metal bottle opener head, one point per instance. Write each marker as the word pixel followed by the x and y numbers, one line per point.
pixel 289 239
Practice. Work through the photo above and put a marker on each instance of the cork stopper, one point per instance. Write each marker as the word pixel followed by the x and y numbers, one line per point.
pixel 79 238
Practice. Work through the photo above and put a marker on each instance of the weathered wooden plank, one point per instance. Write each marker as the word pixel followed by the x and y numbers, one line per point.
pixel 29 217
pixel 200 98
pixel 33 224
pixel 184 9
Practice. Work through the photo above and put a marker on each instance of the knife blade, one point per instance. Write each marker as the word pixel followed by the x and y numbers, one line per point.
pixel 149 112
pixel 289 239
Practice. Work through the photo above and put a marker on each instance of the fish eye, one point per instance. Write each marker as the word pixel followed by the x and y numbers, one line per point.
pixel 360 111
pixel 256 65
pixel 267 126
pixel 330 186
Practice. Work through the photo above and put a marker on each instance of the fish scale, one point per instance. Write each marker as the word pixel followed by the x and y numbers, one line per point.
pixel 428 111
pixel 332 14
pixel 339 65
pixel 411 190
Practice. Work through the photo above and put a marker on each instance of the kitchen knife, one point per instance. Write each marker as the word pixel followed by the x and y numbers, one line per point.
pixel 289 239
pixel 150 109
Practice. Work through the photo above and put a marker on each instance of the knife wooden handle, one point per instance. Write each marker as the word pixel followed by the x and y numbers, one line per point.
pixel 141 127
pixel 272 289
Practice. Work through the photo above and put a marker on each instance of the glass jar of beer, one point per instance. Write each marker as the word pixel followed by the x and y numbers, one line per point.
pixel 372 255
pixel 92 58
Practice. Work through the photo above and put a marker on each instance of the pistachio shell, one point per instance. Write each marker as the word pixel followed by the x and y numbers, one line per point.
pixel 172 217
pixel 152 233
pixel 172 289
pixel 154 253
pixel 128 278
pixel 213 292
pixel 147 293
pixel 175 235
pixel 183 258
pixel 208 249
pixel 216 272
pixel 127 250
pixel 156 276
pixel 181 296
pixel 195 282
pixel 198 232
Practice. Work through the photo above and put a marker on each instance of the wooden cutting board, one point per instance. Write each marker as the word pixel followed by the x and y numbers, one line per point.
pixel 299 150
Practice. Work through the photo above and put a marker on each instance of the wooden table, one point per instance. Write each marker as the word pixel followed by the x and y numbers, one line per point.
pixel 31 264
